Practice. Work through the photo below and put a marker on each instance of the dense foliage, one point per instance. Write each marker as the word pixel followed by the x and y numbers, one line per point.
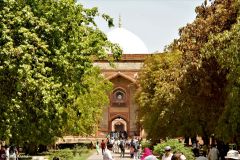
pixel 48 82
pixel 176 147
pixel 225 47
pixel 158 80
pixel 89 109
pixel 207 88
pixel 77 153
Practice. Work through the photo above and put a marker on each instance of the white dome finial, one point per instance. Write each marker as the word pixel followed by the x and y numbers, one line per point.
pixel 120 21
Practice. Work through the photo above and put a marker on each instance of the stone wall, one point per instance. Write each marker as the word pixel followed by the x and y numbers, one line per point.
pixel 123 76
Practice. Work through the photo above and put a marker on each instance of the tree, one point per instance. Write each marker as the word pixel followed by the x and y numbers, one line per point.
pixel 225 48
pixel 89 106
pixel 212 18
pixel 201 89
pixel 158 94
pixel 204 81
pixel 46 52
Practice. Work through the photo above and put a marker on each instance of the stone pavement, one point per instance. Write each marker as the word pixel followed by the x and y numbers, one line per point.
pixel 115 155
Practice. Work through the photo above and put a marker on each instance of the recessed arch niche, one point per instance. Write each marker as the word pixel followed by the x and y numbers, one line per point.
pixel 119 96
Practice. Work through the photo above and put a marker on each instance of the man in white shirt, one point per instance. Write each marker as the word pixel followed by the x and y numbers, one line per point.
pixel 168 154
pixel 107 154
pixel 213 153
pixel 7 152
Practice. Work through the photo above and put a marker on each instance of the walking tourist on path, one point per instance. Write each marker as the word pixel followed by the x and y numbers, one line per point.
pixel 147 155
pixel 122 148
pixel 213 153
pixel 107 155
pixel 168 154
pixel 116 156
pixel 2 153
pixel 103 146
pixel 97 147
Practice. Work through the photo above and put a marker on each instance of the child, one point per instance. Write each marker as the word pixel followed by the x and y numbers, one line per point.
pixel 131 151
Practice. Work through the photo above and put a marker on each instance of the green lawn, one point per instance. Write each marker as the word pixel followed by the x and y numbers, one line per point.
pixel 69 154
pixel 84 156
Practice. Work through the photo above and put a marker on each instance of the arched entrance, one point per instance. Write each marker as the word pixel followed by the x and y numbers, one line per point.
pixel 119 128
pixel 119 125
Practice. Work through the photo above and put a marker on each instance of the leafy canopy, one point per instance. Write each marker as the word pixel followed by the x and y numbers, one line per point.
pixel 225 48
pixel 46 52
pixel 158 79
pixel 197 90
pixel 176 147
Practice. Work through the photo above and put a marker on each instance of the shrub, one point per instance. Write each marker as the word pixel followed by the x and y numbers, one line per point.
pixel 176 147
pixel 63 154
pixel 80 150
pixel 25 158
pixel 69 154
pixel 146 144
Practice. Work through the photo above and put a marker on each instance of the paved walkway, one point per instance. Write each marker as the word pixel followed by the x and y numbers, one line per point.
pixel 115 155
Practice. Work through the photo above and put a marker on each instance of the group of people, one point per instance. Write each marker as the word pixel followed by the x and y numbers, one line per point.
pixel 214 154
pixel 8 153
pixel 119 146
pixel 118 135
pixel 135 151
pixel 114 145
pixel 168 155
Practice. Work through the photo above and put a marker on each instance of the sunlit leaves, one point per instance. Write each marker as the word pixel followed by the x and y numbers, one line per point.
pixel 225 48
pixel 205 81
pixel 158 79
pixel 46 53
pixel 208 81
pixel 87 110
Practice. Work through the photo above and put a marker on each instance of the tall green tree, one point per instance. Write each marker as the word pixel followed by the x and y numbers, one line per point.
pixel 204 81
pixel 201 98
pixel 46 52
pixel 158 95
pixel 225 47
pixel 212 17
pixel 89 106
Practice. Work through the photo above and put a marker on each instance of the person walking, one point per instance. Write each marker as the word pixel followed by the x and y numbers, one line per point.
pixel 213 153
pixel 107 154
pixel 147 155
pixel 7 152
pixel 103 146
pixel 2 153
pixel 136 150
pixel 131 151
pixel 122 147
pixel 168 154
pixel 117 146
pixel 97 147
pixel 12 153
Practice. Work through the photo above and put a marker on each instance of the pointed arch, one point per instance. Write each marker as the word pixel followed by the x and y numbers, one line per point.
pixel 122 75
pixel 119 116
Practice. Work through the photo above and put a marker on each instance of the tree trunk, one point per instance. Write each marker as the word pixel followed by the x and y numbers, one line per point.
pixel 206 139
pixel 31 149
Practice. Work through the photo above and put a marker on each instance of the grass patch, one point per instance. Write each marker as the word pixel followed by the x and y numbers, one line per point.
pixel 77 153
pixel 84 156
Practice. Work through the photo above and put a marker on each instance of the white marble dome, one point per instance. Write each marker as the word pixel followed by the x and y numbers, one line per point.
pixel 129 42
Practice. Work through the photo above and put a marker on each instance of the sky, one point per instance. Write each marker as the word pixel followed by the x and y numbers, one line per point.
pixel 155 22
